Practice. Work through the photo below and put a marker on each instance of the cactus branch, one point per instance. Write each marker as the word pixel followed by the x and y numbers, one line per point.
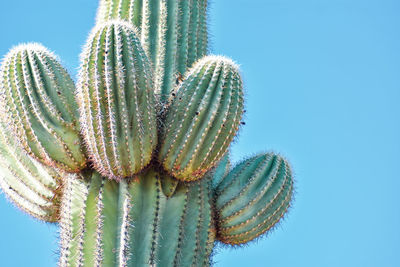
pixel 252 198
pixel 38 96
pixel 203 118
pixel 33 187
pixel 117 103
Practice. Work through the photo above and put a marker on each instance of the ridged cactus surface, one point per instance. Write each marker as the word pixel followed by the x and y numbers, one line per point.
pixel 134 163
pixel 39 97
pixel 252 198
pixel 33 187
pixel 133 223
pixel 173 34
pixel 202 119
pixel 117 103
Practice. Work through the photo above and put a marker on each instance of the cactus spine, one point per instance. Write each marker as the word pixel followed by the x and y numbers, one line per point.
pixel 134 163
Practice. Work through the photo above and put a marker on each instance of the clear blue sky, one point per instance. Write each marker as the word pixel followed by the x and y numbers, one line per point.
pixel 323 88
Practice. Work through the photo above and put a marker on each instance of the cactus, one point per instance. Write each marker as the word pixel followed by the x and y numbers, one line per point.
pixel 133 161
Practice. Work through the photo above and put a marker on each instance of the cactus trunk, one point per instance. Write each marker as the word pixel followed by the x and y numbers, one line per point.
pixel 133 223
pixel 173 34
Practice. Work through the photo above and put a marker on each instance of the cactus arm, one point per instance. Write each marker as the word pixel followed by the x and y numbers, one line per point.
pixel 173 34
pixel 38 95
pixel 252 198
pixel 203 119
pixel 117 102
pixel 33 187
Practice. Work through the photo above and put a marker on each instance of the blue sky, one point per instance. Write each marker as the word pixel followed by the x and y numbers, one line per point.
pixel 323 88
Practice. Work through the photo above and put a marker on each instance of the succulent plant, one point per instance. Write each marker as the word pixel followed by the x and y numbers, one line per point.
pixel 133 162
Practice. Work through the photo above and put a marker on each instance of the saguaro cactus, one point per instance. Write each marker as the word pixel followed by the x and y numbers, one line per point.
pixel 132 162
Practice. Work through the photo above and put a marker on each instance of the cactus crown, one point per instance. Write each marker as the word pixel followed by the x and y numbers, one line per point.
pixel 133 162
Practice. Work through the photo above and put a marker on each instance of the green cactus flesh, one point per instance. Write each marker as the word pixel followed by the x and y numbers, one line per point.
pixel 117 102
pixel 203 118
pixel 39 96
pixel 133 223
pixel 252 198
pixel 173 33
pixel 33 187
pixel 133 164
